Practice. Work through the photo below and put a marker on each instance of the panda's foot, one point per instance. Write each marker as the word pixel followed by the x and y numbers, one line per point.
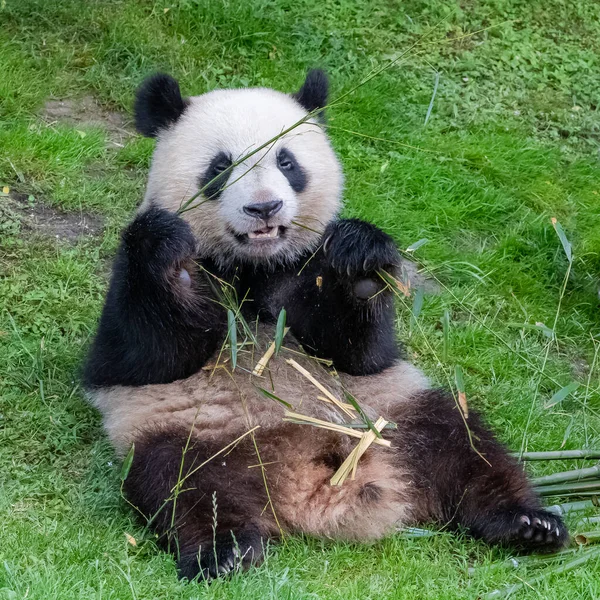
pixel 356 249
pixel 157 241
pixel 229 554
pixel 531 530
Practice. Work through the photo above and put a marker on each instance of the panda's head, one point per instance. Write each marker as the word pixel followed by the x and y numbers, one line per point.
pixel 270 207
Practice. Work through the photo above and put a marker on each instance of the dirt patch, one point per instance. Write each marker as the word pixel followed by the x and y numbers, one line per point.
pixel 38 217
pixel 86 112
pixel 409 271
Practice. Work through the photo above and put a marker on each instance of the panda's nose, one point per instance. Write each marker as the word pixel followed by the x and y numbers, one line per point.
pixel 263 210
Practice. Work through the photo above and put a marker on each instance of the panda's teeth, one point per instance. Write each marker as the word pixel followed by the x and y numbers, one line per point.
pixel 268 232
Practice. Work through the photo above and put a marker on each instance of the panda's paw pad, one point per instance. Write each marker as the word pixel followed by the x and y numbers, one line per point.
pixel 538 530
pixel 354 248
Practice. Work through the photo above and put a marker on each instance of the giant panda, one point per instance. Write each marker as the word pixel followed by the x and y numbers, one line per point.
pixel 216 470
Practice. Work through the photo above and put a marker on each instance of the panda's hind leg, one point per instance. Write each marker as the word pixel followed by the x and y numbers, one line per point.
pixel 206 505
pixel 470 480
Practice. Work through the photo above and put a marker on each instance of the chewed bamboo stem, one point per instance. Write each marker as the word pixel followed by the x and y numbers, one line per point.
pixel 300 419
pixel 559 455
pixel 571 507
pixel 264 361
pixel 569 488
pixel 573 475
pixel 319 386
pixel 348 467
pixel 588 537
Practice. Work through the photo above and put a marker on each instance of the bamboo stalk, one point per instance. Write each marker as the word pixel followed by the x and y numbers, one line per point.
pixel 350 464
pixel 567 566
pixel 319 386
pixel 573 475
pixel 410 533
pixel 588 537
pixel 299 419
pixel 589 521
pixel 568 488
pixel 570 507
pixel 533 560
pixel 559 455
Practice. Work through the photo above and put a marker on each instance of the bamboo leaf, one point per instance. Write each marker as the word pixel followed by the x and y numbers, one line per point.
pixel 352 400
pixel 417 245
pixel 232 334
pixel 280 330
pixel 563 239
pixel 125 468
pixel 274 397
pixel 561 394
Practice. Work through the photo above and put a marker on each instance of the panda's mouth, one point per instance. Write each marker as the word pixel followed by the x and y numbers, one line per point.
pixel 266 234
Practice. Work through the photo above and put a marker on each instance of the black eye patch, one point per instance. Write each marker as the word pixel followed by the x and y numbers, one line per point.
pixel 215 177
pixel 288 165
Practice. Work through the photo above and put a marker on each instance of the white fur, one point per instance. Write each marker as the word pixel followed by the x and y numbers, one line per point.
pixel 237 122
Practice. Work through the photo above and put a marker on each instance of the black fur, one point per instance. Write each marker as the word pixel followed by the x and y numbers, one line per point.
pixel 486 493
pixel 215 178
pixel 154 327
pixel 314 91
pixel 214 523
pixel 324 298
pixel 158 104
pixel 288 165
pixel 154 330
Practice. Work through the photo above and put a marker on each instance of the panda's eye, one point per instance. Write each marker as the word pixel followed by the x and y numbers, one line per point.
pixel 285 162
pixel 222 166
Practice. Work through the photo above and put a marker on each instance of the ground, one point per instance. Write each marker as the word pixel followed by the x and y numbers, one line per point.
pixel 485 129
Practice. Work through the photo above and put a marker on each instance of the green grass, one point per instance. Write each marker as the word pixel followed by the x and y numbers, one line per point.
pixel 512 140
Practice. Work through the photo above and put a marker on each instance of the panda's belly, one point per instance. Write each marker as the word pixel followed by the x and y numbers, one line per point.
pixel 220 403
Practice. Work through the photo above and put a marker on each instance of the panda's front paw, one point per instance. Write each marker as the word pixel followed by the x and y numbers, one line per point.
pixel 157 240
pixel 229 555
pixel 356 249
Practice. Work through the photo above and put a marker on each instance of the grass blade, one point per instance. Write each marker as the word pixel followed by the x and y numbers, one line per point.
pixel 435 88
pixel 446 333
pixel 561 394
pixel 417 305
pixel 232 334
pixel 280 330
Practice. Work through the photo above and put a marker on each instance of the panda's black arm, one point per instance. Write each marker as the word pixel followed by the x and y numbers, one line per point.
pixel 159 321
pixel 336 304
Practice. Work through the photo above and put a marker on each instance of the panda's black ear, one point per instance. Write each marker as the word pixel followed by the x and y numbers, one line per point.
pixel 158 104
pixel 314 91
